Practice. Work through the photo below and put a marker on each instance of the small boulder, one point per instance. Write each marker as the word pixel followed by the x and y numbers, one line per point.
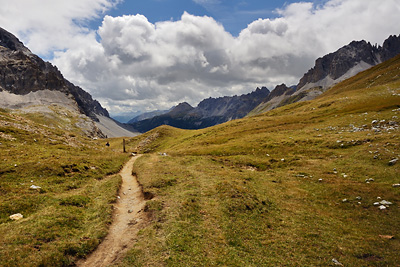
pixel 393 161
pixel 336 262
pixel 384 202
pixel 16 217
pixel 35 187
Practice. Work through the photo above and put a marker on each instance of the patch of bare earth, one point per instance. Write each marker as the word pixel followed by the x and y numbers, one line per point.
pixel 128 219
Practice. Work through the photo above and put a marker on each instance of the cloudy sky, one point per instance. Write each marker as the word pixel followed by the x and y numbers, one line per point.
pixel 136 55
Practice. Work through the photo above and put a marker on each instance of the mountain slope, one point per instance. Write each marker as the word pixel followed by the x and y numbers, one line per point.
pixel 275 99
pixel 335 67
pixel 295 186
pixel 299 185
pixel 147 115
pixel 22 72
pixel 209 112
pixel 62 183
pixel 348 61
pixel 29 79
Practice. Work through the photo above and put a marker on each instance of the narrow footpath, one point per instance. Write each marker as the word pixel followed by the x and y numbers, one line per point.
pixel 128 218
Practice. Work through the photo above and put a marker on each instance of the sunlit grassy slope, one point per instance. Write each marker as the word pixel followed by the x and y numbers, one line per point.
pixel 295 186
pixel 284 188
pixel 68 216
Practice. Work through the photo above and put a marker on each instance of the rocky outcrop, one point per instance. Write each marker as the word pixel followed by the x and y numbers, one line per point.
pixel 331 69
pixel 230 108
pixel 209 112
pixel 180 110
pixel 280 90
pixel 390 48
pixel 338 63
pixel 358 55
pixel 274 99
pixel 8 40
pixel 22 72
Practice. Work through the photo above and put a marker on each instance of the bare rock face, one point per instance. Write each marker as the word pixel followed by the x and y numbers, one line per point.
pixel 7 40
pixel 22 72
pixel 280 90
pixel 390 48
pixel 330 69
pixel 180 110
pixel 337 64
pixel 209 112
pixel 230 107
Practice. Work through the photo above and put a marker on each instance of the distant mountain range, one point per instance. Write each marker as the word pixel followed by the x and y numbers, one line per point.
pixel 34 81
pixel 328 70
pixel 148 115
pixel 209 112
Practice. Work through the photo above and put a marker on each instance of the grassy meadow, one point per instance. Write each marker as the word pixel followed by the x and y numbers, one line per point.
pixel 295 186
pixel 69 214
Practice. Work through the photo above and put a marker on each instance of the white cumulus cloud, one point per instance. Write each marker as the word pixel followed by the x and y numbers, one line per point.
pixel 48 25
pixel 130 63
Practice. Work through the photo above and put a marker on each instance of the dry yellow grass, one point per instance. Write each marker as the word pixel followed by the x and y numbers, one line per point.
pixel 284 188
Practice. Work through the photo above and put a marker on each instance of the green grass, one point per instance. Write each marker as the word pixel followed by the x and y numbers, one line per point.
pixel 248 192
pixel 267 190
pixel 69 215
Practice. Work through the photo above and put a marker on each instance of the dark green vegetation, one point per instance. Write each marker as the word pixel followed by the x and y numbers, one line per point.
pixel 284 188
pixel 69 214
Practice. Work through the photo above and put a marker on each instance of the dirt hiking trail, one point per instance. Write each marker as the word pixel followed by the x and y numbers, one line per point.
pixel 128 218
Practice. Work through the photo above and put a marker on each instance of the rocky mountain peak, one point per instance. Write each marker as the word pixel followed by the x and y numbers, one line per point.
pixel 390 48
pixel 209 112
pixel 11 42
pixel 281 90
pixel 22 72
pixel 331 69
pixel 338 63
pixel 180 109
pixel 358 55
